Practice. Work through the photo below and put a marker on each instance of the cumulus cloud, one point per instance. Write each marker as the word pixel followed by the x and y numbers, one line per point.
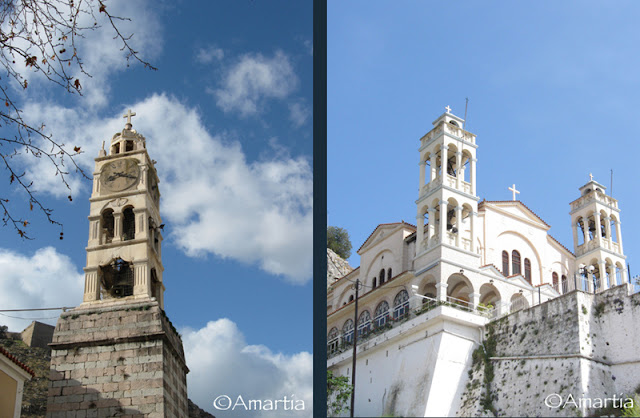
pixel 299 113
pixel 222 363
pixel 209 54
pixel 213 199
pixel 44 279
pixel 253 79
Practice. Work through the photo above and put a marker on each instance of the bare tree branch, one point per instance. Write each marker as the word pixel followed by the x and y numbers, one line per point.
pixel 42 36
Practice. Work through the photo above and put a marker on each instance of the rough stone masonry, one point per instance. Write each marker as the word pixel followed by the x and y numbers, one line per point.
pixel 121 359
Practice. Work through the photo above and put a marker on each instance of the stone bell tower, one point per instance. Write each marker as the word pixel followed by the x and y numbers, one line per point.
pixel 117 353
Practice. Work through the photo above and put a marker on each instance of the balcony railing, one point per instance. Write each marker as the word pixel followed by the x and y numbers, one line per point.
pixel 336 347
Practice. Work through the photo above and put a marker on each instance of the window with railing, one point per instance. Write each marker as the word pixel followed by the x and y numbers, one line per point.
pixel 401 305
pixel 332 341
pixel 381 314
pixel 347 332
pixel 554 280
pixel 364 324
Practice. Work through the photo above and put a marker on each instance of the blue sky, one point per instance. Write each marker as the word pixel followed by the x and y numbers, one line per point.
pixel 234 80
pixel 553 96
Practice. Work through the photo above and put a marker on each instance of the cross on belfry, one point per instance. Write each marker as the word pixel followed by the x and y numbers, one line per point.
pixel 128 115
pixel 590 177
pixel 448 109
pixel 513 189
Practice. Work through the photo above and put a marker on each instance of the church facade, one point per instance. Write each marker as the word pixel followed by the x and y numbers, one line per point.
pixel 117 353
pixel 427 292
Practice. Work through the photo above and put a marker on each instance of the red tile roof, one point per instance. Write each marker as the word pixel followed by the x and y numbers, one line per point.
pixel 492 265
pixel 340 278
pixel 17 362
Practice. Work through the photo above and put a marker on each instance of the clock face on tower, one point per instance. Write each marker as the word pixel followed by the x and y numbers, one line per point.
pixel 120 175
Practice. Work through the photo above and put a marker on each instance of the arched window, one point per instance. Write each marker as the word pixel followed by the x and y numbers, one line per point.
pixel 117 279
pixel 351 298
pixel 128 146
pixel 381 314
pixel 332 341
pixel 364 324
pixel 106 225
pixel 515 262
pixel 347 332
pixel 382 276
pixel 128 224
pixel 401 305
pixel 527 270
pixel 389 276
pixel 505 263
pixel 374 282
pixel 554 279
pixel 564 284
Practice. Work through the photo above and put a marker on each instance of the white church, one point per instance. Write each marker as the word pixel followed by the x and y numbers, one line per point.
pixel 427 291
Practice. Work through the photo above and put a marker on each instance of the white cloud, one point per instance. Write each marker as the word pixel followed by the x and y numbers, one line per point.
pixel 213 200
pixel 299 113
pixel 47 279
pixel 209 54
pixel 221 363
pixel 140 23
pixel 254 78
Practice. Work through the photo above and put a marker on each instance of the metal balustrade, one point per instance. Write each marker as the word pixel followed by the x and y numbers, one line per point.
pixel 402 314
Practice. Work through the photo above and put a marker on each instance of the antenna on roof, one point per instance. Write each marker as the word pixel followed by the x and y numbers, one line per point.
pixel 611 188
pixel 465 112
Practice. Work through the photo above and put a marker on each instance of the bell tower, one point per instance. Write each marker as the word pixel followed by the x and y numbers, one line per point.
pixel 597 239
pixel 117 353
pixel 447 203
pixel 124 255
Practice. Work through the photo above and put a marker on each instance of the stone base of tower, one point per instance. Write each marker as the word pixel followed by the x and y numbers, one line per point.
pixel 122 358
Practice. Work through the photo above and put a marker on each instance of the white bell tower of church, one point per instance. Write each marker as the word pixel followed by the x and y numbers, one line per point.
pixel 124 249
pixel 447 203
pixel 597 239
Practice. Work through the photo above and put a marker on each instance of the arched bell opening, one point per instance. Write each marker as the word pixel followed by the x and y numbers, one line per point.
pixel 107 226
pixel 128 224
pixel 116 279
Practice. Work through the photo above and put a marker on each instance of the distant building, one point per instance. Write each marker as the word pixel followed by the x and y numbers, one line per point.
pixel 37 334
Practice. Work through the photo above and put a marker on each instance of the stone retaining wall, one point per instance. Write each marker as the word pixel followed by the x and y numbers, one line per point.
pixel 123 359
